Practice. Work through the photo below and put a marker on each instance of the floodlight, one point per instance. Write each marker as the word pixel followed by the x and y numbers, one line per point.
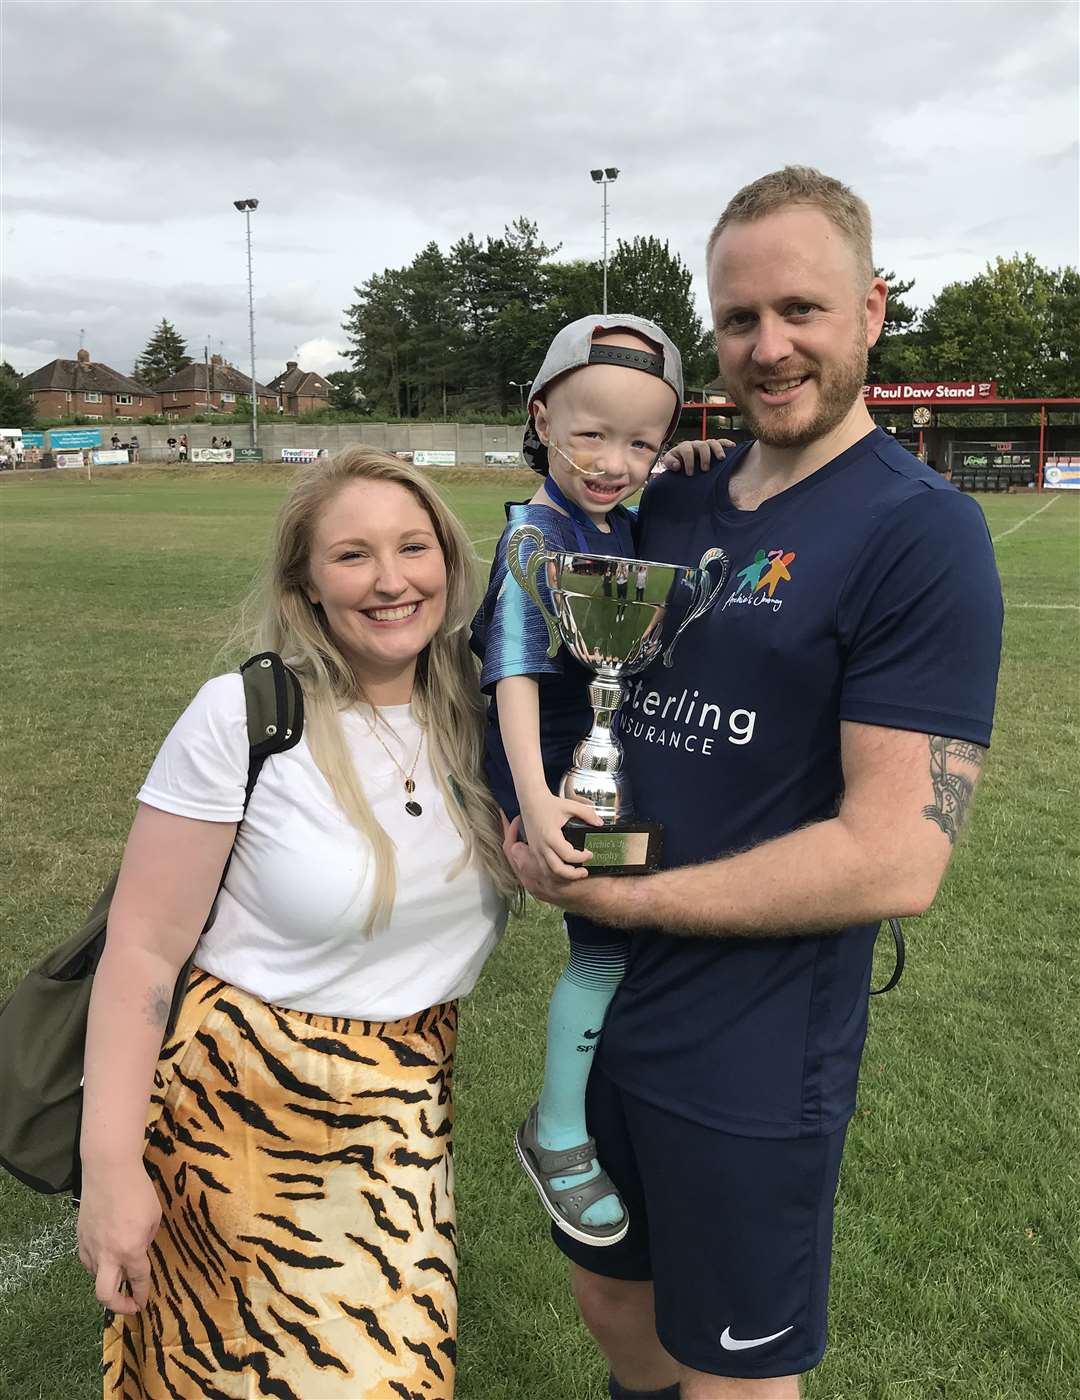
pixel 611 173
pixel 597 175
pixel 240 204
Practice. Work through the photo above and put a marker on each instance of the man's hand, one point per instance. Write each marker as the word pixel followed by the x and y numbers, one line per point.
pixel 690 456
pixel 592 898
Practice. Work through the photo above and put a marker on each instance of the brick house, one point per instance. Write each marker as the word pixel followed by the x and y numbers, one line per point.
pixel 184 394
pixel 300 391
pixel 63 388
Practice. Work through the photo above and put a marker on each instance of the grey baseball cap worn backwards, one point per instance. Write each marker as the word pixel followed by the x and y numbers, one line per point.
pixel 573 348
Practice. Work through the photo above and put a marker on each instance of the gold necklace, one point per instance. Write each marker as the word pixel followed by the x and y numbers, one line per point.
pixel 411 806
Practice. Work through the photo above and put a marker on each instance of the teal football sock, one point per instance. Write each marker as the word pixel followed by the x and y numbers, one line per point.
pixel 575 1017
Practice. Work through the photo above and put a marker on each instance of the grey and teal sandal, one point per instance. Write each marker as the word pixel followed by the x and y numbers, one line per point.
pixel 567 1205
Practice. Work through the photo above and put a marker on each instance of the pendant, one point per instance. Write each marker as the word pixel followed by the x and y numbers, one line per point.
pixel 410 786
pixel 414 809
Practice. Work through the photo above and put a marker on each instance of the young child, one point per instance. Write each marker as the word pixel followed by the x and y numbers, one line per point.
pixel 601 409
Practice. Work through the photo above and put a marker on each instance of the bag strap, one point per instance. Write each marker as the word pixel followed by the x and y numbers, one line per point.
pixel 275 723
pixel 898 970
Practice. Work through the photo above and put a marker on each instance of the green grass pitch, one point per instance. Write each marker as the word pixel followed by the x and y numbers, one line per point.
pixel 958 1224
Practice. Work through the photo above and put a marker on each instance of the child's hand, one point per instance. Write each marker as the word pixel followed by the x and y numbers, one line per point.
pixel 685 456
pixel 544 819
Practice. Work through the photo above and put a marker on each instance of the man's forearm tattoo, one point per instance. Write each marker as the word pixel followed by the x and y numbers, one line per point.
pixel 953 789
pixel 158 1001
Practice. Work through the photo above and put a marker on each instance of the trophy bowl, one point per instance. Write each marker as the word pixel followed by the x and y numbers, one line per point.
pixel 615 616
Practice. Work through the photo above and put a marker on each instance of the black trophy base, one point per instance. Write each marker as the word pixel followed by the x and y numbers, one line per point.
pixel 630 847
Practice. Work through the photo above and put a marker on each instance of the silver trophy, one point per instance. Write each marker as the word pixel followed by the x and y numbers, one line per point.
pixel 615 616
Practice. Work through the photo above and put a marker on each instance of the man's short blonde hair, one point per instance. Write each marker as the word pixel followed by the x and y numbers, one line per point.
pixel 801 184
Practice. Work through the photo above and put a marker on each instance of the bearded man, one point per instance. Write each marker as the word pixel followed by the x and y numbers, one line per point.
pixel 812 757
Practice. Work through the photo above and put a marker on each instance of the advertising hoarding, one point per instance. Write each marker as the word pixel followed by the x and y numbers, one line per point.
pixel 434 459
pixel 69 459
pixel 248 454
pixel 212 454
pixel 502 459
pixel 109 456
pixel 303 454
pixel 1062 472
pixel 69 439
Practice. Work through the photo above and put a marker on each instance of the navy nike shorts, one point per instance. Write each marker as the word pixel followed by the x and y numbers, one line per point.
pixel 734 1232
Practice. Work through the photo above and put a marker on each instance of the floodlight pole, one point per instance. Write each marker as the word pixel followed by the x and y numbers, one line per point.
pixel 246 206
pixel 606 176
pixel 605 246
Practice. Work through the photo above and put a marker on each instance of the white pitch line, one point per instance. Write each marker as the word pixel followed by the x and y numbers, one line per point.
pixel 1049 607
pixel 486 539
pixel 20 1263
pixel 1025 520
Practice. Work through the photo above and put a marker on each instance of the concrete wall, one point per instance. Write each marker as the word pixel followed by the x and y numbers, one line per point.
pixel 469 440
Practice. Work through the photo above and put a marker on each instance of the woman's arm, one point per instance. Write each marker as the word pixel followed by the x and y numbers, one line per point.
pixel 544 815
pixel 168 880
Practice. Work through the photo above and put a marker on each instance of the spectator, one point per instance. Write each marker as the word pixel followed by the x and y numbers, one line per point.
pixel 213 442
pixel 115 440
pixel 183 447
pixel 134 447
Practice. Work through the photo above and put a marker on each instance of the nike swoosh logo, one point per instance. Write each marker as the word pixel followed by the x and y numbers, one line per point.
pixel 590 1035
pixel 730 1343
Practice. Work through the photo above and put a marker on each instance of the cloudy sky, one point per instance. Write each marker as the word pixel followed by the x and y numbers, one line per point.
pixel 366 130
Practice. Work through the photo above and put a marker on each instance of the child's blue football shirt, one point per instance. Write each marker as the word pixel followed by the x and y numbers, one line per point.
pixel 511 639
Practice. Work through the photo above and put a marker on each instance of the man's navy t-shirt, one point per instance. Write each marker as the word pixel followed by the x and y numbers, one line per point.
pixel 867 592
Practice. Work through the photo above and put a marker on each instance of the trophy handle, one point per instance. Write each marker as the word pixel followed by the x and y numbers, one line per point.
pixel 707 594
pixel 525 577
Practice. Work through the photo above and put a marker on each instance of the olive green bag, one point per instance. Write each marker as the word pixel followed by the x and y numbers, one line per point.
pixel 43 1023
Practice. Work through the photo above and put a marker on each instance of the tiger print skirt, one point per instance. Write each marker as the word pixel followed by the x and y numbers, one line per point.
pixel 307 1248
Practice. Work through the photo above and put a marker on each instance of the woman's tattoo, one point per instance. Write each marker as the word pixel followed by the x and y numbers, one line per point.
pixel 952 790
pixel 158 1002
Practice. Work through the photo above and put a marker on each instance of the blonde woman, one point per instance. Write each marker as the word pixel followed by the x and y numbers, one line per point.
pixel 267 1201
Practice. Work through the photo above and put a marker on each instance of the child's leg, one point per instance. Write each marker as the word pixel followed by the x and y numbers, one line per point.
pixel 575 1017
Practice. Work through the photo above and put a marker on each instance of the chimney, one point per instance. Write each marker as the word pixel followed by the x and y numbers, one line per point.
pixel 215 359
pixel 290 364
pixel 83 357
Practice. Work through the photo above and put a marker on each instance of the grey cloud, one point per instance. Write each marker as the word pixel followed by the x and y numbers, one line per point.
pixel 372 129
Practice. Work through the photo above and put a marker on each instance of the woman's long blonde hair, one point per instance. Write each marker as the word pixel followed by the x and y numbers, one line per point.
pixel 446 695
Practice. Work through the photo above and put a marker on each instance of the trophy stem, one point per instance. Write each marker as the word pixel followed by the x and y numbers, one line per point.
pixel 596 774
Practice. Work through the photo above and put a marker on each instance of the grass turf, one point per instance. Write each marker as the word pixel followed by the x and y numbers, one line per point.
pixel 956 1263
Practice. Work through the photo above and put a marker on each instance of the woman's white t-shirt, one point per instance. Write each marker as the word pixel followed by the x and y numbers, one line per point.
pixel 289 922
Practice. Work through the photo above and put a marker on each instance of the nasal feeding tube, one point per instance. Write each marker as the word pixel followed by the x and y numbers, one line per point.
pixel 579 458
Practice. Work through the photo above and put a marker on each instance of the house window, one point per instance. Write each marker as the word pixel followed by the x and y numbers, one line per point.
pixel 94 417
pixel 124 418
pixel 91 397
pixel 122 398
pixel 228 398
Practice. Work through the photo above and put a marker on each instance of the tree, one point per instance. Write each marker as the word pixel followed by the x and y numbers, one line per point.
pixel 646 279
pixel 1017 323
pixel 377 326
pixel 345 391
pixel 447 332
pixel 16 403
pixel 899 321
pixel 500 290
pixel 165 354
pixel 574 289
